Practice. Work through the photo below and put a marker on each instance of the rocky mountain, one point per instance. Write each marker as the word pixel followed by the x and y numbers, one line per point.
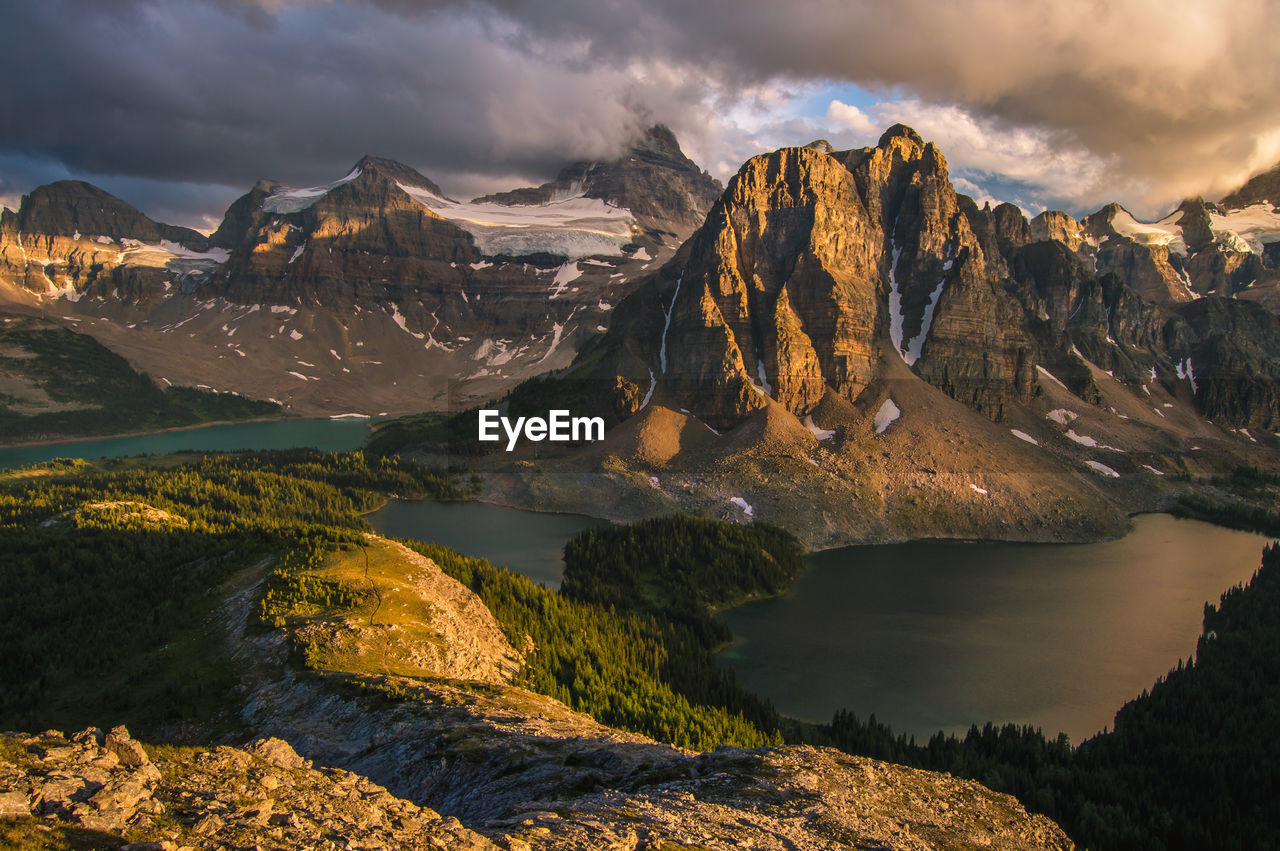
pixel 309 295
pixel 845 323
pixel 663 189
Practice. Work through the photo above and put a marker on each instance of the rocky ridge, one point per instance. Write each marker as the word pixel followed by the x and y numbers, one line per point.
pixel 347 757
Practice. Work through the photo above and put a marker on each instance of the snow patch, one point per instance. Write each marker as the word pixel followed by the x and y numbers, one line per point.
pixel 1049 375
pixel 1082 439
pixel 1022 435
pixel 1062 416
pixel 286 200
pixel 895 304
pixel 744 505
pixel 1153 469
pixel 1249 229
pixel 572 225
pixel 763 386
pixel 1102 469
pixel 1165 232
pixel 916 345
pixel 666 325
pixel 820 433
pixel 294 335
pixel 297 252
pixel 653 385
pixel 399 319
pixel 564 275
pixel 977 489
pixel 885 417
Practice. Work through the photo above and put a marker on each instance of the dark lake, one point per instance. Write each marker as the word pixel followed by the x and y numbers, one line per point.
pixel 939 634
pixel 527 542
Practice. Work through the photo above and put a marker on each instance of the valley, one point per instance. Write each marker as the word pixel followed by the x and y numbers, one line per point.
pixel 821 384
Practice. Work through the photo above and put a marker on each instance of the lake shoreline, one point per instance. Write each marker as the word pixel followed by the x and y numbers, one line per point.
pixel 63 441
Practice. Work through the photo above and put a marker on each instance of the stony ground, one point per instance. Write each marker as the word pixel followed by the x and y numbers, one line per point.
pixel 106 792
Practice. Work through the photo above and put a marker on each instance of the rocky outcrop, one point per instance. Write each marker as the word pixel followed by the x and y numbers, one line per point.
pixel 810 262
pixel 262 795
pixel 574 797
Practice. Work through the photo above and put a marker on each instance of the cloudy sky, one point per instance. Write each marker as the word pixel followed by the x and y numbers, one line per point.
pixel 179 105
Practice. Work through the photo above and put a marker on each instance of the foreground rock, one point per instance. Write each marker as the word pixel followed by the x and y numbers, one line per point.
pixel 262 796
pixel 265 795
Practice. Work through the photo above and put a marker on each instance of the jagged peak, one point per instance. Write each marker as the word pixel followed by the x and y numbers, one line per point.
pixel 899 131
pixel 397 171
pixel 659 138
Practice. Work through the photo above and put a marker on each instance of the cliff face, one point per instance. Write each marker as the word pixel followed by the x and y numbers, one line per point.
pixel 817 268
pixel 811 263
pixel 858 353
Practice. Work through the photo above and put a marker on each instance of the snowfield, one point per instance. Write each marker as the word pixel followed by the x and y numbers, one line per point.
pixel 288 200
pixel 574 226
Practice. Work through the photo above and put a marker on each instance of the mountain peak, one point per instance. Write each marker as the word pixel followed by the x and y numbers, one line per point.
pixel 660 140
pixel 397 171
pixel 899 131
pixel 1264 186
pixel 67 207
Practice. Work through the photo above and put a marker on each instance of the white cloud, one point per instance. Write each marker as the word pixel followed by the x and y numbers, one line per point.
pixel 853 118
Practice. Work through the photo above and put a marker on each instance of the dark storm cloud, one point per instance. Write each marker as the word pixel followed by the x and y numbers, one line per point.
pixel 202 93
pixel 1163 101
pixel 1173 98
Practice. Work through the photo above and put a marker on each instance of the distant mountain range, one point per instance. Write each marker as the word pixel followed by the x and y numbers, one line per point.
pixel 373 293
pixel 838 341
pixel 850 348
